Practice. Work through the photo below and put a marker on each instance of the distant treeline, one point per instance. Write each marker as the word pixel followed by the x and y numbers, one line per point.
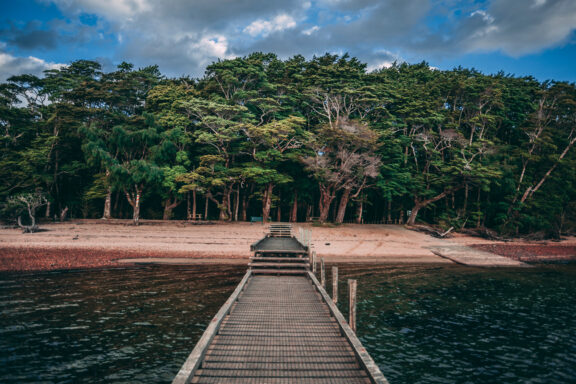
pixel 293 140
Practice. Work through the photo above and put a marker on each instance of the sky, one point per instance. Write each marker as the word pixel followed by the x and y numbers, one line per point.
pixel 519 37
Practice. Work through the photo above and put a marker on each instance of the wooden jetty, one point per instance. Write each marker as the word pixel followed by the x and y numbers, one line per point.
pixel 279 326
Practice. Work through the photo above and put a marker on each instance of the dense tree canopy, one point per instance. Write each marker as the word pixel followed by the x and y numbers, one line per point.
pixel 293 140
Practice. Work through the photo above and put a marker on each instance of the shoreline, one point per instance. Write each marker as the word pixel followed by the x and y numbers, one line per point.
pixel 84 244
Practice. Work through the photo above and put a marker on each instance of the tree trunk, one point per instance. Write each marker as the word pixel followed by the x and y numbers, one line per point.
pixel 28 228
pixel 294 211
pixel 237 204
pixel 333 209
pixel 413 214
pixel 419 204
pixel 205 207
pixel 479 209
pixel 267 202
pixel 359 211
pixel 194 204
pixel 223 215
pixel 56 173
pixel 134 201
pixel 342 206
pixel 169 206
pixel 136 216
pixel 48 206
pixel 222 205
pixel 228 201
pixel 188 207
pixel 466 192
pixel 308 211
pixel 107 214
pixel 63 214
pixel 167 210
pixel 389 220
pixel 116 204
pixel 244 214
pixel 326 198
pixel 279 209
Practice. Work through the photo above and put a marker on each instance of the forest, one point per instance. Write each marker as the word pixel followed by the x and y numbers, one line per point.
pixel 296 139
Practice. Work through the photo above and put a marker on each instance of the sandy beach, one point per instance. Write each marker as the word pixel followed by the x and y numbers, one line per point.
pixel 95 243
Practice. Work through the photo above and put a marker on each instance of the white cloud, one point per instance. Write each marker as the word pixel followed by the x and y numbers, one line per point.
pixel 215 46
pixel 310 31
pixel 12 65
pixel 517 28
pixel 488 27
pixel 538 3
pixel 484 15
pixel 382 59
pixel 264 27
pixel 379 65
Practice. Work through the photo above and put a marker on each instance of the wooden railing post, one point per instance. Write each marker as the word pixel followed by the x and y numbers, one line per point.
pixel 322 273
pixel 313 262
pixel 335 284
pixel 352 304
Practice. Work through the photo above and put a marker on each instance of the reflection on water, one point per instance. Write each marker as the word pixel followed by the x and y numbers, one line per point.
pixel 422 324
pixel 106 326
pixel 454 324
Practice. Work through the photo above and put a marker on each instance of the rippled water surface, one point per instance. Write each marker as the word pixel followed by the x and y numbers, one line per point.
pixel 106 326
pixel 422 324
pixel 454 324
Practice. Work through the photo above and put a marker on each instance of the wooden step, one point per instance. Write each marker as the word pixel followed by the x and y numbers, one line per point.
pixel 279 271
pixel 278 265
pixel 289 259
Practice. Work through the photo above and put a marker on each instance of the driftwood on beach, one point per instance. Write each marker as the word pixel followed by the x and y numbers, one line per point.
pixel 436 232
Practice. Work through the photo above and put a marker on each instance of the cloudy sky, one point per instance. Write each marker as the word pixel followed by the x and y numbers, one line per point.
pixel 535 37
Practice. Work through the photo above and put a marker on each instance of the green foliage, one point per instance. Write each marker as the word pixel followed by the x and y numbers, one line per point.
pixel 459 147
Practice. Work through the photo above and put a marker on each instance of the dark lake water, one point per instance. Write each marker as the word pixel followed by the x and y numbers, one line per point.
pixel 422 324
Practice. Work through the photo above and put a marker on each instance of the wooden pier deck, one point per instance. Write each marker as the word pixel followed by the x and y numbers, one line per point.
pixel 279 326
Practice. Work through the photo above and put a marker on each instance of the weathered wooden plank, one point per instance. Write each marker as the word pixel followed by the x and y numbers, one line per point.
pixel 335 285
pixel 294 358
pixel 271 380
pixel 271 373
pixel 271 350
pixel 282 365
pixel 284 259
pixel 352 304
pixel 280 271
pixel 276 265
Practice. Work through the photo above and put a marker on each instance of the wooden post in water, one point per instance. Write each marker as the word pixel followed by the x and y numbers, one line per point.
pixel 352 304
pixel 335 284
pixel 322 273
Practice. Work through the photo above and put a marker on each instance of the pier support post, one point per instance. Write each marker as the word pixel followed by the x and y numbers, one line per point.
pixel 322 273
pixel 313 262
pixel 335 285
pixel 352 304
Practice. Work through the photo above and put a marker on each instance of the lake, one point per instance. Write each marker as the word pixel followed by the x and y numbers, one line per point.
pixel 421 324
